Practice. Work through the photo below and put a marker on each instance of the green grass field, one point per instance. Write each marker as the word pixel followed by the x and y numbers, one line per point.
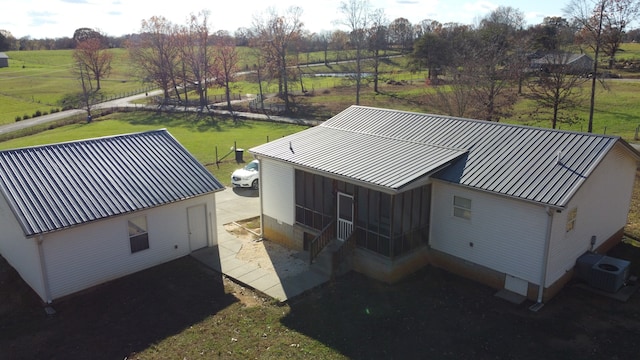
pixel 200 136
pixel 38 80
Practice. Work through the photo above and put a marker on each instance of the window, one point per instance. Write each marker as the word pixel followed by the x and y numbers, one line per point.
pixel 462 207
pixel 571 219
pixel 138 236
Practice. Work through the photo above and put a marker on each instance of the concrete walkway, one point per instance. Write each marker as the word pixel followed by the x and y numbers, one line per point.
pixel 238 204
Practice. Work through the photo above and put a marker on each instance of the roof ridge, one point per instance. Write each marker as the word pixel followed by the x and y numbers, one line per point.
pixel 478 121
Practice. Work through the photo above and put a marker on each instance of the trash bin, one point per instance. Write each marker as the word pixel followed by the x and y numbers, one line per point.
pixel 239 154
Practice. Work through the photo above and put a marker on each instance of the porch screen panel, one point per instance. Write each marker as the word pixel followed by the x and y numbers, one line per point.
pixel 314 203
pixel 362 215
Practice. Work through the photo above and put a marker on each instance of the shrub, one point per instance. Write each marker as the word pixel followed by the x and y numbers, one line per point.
pixel 44 113
pixel 37 113
pixel 18 118
pixel 25 117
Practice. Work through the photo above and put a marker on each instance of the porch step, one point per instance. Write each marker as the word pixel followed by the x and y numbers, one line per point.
pixel 322 263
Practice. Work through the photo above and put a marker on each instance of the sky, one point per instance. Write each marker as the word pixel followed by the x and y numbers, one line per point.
pixel 40 19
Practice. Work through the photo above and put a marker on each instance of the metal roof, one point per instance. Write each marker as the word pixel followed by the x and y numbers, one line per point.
pixel 57 186
pixel 541 165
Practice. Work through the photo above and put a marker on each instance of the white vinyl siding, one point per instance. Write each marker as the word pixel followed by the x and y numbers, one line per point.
pixel 89 255
pixel 277 190
pixel 505 235
pixel 20 252
pixel 603 204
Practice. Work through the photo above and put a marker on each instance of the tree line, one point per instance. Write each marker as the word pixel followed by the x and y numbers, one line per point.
pixel 476 70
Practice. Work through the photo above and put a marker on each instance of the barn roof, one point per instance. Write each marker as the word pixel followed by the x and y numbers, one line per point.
pixel 57 186
pixel 391 149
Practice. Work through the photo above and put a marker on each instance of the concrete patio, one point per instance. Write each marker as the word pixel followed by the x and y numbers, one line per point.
pixel 281 281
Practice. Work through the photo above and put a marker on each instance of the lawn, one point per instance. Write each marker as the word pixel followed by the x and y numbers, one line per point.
pixel 200 135
pixel 181 310
pixel 39 80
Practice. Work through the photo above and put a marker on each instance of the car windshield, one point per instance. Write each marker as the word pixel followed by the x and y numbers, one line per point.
pixel 252 166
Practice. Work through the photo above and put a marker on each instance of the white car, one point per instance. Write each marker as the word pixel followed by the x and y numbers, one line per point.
pixel 247 176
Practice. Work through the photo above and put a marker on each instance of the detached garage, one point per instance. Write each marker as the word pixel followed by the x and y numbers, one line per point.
pixel 75 215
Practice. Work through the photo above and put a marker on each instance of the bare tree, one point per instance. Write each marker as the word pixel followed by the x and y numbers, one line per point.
pixel 401 34
pixel 491 76
pixel 156 55
pixel 197 56
pixel 86 98
pixel 226 65
pixel 94 57
pixel 378 42
pixel 338 42
pixel 357 18
pixel 601 21
pixel 274 35
pixel 556 87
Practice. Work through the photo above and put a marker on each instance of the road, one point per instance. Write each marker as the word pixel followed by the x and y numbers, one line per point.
pixel 129 102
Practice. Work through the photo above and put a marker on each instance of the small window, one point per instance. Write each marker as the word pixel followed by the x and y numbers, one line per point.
pixel 138 236
pixel 462 207
pixel 571 219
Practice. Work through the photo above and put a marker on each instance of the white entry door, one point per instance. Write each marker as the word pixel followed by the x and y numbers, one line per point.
pixel 197 217
pixel 345 216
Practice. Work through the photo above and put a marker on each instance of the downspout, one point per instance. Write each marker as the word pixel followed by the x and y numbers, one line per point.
pixel 43 268
pixel 545 260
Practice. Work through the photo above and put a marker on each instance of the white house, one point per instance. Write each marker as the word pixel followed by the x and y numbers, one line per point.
pixel 77 214
pixel 510 206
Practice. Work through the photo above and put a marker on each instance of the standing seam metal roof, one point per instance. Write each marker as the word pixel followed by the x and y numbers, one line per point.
pixel 535 164
pixel 57 186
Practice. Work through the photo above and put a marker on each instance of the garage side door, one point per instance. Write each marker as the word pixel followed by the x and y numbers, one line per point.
pixel 197 216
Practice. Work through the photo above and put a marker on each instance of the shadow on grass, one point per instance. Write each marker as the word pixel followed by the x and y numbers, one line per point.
pixel 434 314
pixel 116 319
pixel 199 122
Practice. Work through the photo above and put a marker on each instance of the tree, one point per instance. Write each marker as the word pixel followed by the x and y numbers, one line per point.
pixel 432 51
pixel 6 41
pixel 338 42
pixel 94 57
pixel 491 73
pixel 401 34
pixel 226 65
pixel 601 21
pixel 356 17
pixel 274 35
pixel 197 60
pixel 87 96
pixel 556 87
pixel 155 54
pixel 83 34
pixel 551 35
pixel 378 42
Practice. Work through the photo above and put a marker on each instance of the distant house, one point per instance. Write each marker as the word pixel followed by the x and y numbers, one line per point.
pixel 74 215
pixel 4 60
pixel 510 206
pixel 563 63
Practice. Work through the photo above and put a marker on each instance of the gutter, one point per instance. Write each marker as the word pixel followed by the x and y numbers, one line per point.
pixel 43 268
pixel 545 261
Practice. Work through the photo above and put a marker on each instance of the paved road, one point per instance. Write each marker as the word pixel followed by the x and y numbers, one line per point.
pixel 129 102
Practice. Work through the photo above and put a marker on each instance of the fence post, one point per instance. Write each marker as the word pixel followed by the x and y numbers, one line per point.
pixel 635 137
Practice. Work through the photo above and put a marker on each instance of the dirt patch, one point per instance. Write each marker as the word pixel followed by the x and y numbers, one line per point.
pixel 265 254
